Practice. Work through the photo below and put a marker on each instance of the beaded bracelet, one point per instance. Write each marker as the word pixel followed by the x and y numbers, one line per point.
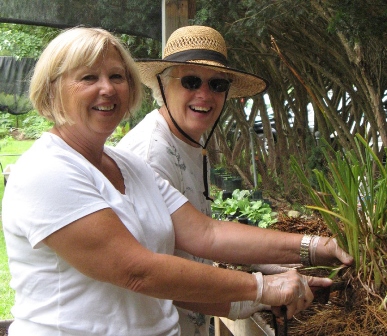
pixel 304 250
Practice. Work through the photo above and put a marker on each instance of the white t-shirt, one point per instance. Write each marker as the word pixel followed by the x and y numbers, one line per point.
pixel 182 165
pixel 51 186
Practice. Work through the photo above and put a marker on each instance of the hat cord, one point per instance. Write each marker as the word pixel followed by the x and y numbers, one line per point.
pixel 204 150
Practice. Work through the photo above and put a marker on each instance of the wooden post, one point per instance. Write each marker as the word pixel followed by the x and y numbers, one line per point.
pixel 175 14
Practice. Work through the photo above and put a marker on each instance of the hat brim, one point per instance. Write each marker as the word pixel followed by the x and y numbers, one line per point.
pixel 244 84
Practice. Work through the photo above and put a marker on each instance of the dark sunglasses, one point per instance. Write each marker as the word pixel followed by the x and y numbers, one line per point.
pixel 215 84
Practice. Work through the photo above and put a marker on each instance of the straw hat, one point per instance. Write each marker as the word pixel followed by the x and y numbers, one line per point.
pixel 204 46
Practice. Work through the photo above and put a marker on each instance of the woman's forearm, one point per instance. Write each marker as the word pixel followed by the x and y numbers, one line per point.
pixel 238 243
pixel 254 245
pixel 170 277
pixel 232 242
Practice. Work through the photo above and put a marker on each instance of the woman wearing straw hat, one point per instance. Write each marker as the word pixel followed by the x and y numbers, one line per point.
pixel 191 85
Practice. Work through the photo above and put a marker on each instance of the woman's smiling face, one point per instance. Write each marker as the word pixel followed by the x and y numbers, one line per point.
pixel 97 97
pixel 195 111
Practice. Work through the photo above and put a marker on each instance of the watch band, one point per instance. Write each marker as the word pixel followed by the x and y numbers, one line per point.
pixel 304 250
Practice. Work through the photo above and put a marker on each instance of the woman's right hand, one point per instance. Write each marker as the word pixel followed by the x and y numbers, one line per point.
pixel 290 289
pixel 326 251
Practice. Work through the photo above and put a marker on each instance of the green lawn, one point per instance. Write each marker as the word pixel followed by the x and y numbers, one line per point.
pixel 6 293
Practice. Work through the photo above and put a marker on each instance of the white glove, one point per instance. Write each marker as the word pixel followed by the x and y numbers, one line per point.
pixel 244 309
pixel 325 251
pixel 290 289
pixel 273 268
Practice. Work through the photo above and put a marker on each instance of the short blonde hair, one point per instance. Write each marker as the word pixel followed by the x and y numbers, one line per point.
pixel 75 47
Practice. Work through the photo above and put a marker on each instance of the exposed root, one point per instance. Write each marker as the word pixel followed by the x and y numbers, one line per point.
pixel 336 319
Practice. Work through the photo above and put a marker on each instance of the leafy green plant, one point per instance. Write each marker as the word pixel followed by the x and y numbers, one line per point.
pixel 5 120
pixel 230 206
pixel 240 204
pixel 34 125
pixel 352 199
pixel 24 40
pixel 260 213
pixel 4 141
pixel 118 133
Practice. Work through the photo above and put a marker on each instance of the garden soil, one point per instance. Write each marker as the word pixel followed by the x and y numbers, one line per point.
pixel 3 328
pixel 348 311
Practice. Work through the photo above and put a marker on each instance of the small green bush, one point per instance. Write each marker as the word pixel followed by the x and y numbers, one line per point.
pixel 240 204
pixel 34 125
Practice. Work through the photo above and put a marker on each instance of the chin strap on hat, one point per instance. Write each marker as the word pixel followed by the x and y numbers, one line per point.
pixel 204 150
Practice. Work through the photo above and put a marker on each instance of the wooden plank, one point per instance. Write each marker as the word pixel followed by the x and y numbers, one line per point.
pixel 253 326
pixel 220 328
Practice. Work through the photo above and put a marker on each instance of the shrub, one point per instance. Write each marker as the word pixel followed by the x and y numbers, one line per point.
pixel 34 125
pixel 240 204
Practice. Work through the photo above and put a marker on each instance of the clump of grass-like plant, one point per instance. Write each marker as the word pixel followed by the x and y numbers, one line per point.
pixel 352 199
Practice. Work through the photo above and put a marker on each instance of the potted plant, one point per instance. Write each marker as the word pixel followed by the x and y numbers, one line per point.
pixel 240 205
pixel 259 213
